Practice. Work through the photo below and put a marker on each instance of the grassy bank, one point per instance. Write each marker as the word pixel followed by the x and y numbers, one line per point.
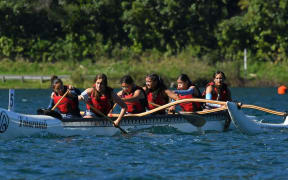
pixel 200 71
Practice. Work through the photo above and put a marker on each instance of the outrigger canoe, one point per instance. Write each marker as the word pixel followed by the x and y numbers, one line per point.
pixel 14 124
pixel 249 124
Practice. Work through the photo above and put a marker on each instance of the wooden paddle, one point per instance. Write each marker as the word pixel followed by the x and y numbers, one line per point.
pixel 49 112
pixel 194 119
pixel 153 104
pixel 107 118
pixel 58 102
pixel 110 112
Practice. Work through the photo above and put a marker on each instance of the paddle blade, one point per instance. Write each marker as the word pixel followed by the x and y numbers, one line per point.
pixel 49 112
pixel 195 120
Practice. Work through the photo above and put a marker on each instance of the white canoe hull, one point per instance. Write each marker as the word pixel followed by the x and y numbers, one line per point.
pixel 14 124
pixel 249 125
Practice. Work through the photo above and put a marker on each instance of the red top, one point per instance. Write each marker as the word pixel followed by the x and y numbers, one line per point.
pixel 136 106
pixel 191 106
pixel 67 105
pixel 223 95
pixel 103 104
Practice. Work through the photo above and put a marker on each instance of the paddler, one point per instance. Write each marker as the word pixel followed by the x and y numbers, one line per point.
pixel 217 90
pixel 69 105
pixel 157 93
pixel 132 95
pixel 102 98
pixel 186 90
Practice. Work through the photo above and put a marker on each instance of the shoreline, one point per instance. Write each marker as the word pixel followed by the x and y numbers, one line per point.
pixel 82 74
pixel 45 84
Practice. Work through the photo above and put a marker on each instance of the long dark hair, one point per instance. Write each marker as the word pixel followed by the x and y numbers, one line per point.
pixel 160 86
pixel 56 81
pixel 107 89
pixel 52 80
pixel 223 85
pixel 127 79
pixel 219 72
pixel 186 79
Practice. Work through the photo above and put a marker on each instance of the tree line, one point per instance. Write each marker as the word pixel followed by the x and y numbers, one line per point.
pixel 64 30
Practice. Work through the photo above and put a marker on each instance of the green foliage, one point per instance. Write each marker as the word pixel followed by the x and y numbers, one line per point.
pixel 169 68
pixel 260 28
pixel 6 46
pixel 216 31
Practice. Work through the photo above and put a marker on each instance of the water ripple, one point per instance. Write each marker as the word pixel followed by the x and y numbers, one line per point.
pixel 156 153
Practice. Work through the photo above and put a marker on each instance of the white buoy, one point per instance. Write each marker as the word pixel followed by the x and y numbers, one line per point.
pixel 11 100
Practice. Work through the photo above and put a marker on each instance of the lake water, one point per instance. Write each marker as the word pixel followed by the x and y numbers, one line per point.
pixel 151 154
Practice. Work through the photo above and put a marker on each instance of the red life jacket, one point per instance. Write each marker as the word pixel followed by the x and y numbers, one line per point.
pixel 136 106
pixel 189 107
pixel 104 104
pixel 160 99
pixel 223 95
pixel 67 105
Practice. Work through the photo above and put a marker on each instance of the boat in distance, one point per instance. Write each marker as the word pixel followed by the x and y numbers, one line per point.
pixel 13 124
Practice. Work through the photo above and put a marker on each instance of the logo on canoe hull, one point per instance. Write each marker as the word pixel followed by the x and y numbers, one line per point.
pixel 4 122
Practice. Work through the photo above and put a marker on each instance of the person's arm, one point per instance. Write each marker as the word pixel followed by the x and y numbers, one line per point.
pixel 119 93
pixel 171 94
pixel 123 106
pixel 185 92
pixel 138 94
pixel 85 95
pixel 51 104
pixel 208 96
pixel 73 90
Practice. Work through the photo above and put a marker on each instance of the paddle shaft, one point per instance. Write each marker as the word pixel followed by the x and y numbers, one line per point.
pixel 153 104
pixel 107 118
pixel 58 102
pixel 110 112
